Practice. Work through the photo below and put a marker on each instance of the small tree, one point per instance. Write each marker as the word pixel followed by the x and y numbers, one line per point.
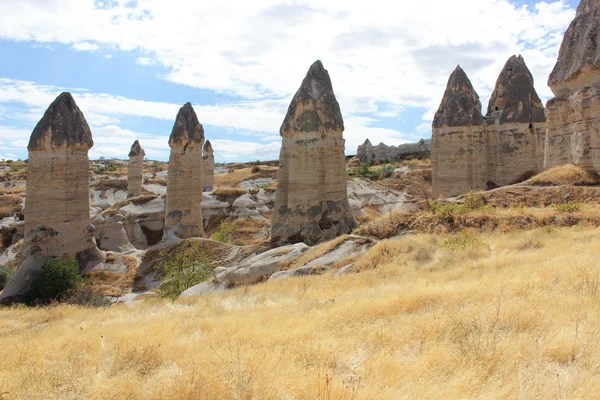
pixel 184 267
pixel 225 232
pixel 58 277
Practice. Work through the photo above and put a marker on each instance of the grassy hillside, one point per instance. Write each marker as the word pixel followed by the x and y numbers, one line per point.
pixel 505 316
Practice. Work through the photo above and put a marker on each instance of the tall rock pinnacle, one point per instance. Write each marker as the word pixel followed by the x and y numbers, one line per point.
pixel 135 169
pixel 208 159
pixel 311 199
pixel 183 213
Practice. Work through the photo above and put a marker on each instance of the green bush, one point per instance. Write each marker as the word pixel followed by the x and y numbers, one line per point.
pixel 184 267
pixel 361 170
pixel 311 241
pixel 569 207
pixel 6 273
pixel 225 232
pixel 57 277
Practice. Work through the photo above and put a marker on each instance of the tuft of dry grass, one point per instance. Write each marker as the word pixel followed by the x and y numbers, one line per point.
pixel 114 184
pixel 387 225
pixel 229 194
pixel 567 174
pixel 516 321
pixel 235 177
pixel 10 204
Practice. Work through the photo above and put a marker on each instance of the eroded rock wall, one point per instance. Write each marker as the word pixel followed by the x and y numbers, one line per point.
pixel 367 153
pixel 573 134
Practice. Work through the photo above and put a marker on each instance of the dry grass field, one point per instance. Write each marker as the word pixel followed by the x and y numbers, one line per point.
pixel 235 177
pixel 513 315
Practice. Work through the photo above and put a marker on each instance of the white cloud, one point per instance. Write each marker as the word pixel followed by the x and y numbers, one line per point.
pixel 145 61
pixel 86 46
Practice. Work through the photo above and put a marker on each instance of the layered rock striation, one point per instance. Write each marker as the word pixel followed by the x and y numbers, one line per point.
pixel 183 213
pixel 473 152
pixel 135 169
pixel 573 134
pixel 367 153
pixel 208 159
pixel 311 199
pixel 57 212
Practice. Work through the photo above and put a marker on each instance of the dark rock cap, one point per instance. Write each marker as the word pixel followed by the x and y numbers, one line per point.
pixel 207 149
pixel 514 98
pixel 580 49
pixel 187 131
pixel 136 150
pixel 314 107
pixel 62 126
pixel 460 105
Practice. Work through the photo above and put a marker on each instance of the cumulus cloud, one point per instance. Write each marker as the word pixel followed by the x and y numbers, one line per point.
pixel 86 46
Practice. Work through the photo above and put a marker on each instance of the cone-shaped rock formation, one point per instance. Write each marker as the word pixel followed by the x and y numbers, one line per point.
pixel 135 169
pixel 573 134
pixel 183 214
pixel 57 211
pixel 208 158
pixel 311 199
pixel 470 152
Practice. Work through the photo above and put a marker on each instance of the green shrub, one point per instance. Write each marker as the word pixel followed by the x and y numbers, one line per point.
pixel 362 170
pixel 57 277
pixel 311 241
pixel 225 232
pixel 184 267
pixel 569 207
pixel 6 273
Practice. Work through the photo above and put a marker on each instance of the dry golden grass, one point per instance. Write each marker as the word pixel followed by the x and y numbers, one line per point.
pixel 234 178
pixel 10 204
pixel 520 320
pixel 567 174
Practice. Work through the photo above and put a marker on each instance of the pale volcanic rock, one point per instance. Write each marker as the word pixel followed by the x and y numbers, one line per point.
pixel 472 152
pixel 311 198
pixel 573 134
pixel 183 214
pixel 208 159
pixel 57 213
pixel 135 170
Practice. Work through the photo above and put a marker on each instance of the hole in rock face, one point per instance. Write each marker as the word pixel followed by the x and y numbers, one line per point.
pixel 496 108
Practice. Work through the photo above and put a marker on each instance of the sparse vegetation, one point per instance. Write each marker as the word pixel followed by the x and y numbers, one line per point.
pixel 569 207
pixel 447 211
pixel 57 278
pixel 567 174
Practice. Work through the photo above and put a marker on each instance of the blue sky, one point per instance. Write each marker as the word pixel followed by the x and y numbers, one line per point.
pixel 131 64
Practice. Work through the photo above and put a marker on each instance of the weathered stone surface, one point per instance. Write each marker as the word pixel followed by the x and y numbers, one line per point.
pixel 183 214
pixel 460 105
pixel 208 159
pixel 578 64
pixel 514 99
pixel 470 152
pixel 367 153
pixel 259 267
pixel 312 199
pixel 135 169
pixel 573 134
pixel 57 213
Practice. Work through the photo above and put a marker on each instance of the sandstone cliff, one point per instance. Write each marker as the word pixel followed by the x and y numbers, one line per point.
pixel 472 152
pixel 311 199
pixel 135 169
pixel 573 134
pixel 208 159
pixel 367 153
pixel 183 214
